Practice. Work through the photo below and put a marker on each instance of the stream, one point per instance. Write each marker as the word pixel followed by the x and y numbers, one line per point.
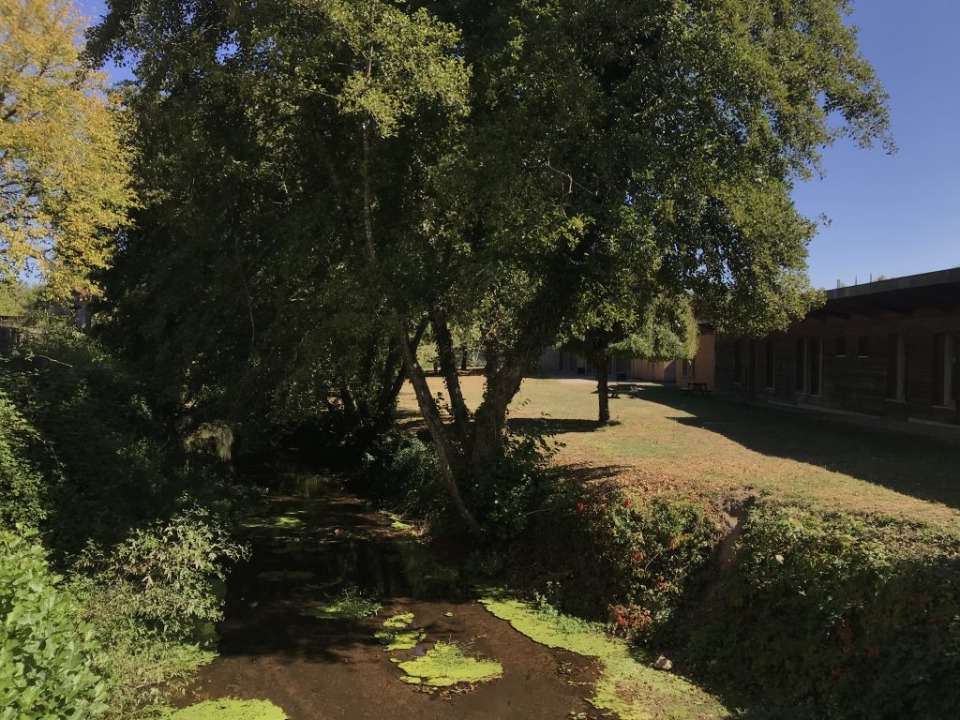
pixel 312 543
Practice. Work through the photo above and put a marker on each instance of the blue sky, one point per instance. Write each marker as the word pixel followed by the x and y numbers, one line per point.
pixel 889 215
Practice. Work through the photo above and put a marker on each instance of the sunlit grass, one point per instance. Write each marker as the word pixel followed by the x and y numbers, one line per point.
pixel 664 441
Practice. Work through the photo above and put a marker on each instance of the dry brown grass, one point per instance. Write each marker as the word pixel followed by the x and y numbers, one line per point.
pixel 664 441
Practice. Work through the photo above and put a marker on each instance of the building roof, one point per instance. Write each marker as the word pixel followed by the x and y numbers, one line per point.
pixel 938 290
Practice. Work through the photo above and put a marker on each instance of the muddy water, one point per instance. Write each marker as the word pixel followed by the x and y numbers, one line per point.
pixel 312 543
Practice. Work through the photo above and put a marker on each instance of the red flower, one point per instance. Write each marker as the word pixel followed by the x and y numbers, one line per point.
pixel 581 507
pixel 628 503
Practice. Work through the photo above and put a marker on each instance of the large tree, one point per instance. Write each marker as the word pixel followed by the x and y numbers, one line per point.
pixel 64 183
pixel 661 136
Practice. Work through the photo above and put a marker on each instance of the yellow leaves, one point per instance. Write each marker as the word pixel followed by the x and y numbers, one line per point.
pixel 64 175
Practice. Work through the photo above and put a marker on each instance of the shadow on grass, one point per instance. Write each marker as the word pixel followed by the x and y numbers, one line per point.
pixel 922 467
pixel 554 426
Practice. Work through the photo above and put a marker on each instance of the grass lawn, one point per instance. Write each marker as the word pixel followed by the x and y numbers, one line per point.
pixel 665 441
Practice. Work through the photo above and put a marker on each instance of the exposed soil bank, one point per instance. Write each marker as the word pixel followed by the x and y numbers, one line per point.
pixel 307 549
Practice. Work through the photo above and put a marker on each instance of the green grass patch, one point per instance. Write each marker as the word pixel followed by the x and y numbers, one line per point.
pixel 446 665
pixel 628 686
pixel 350 605
pixel 227 709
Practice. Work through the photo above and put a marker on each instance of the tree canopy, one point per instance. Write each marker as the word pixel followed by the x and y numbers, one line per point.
pixel 336 175
pixel 64 184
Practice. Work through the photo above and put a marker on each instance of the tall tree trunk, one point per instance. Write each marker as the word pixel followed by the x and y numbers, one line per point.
pixel 599 358
pixel 446 454
pixel 448 368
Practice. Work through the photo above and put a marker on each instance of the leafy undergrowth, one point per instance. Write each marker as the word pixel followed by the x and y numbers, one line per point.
pixel 351 605
pixel 628 686
pixel 446 665
pixel 227 709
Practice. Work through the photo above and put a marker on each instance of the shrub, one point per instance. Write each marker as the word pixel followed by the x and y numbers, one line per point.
pixel 627 558
pixel 153 602
pixel 22 490
pixel 855 618
pixel 46 657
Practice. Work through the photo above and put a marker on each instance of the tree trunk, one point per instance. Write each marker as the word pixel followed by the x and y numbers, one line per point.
pixel 599 359
pixel 448 368
pixel 446 456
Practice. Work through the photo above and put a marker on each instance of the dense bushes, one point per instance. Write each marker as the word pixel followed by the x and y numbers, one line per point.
pixel 128 518
pixel 46 656
pixel 834 616
pixel 626 558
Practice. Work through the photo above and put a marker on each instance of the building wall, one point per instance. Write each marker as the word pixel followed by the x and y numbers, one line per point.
pixel 858 359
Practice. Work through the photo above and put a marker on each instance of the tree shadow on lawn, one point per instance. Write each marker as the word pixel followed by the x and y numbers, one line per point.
pixel 920 466
pixel 554 426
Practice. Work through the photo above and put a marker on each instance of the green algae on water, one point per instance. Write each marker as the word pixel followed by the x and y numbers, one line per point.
pixel 628 687
pixel 227 709
pixel 397 635
pixel 446 665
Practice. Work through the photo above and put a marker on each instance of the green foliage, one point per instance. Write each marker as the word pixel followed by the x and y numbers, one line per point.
pixel 352 604
pixel 516 486
pixel 857 618
pixel 16 298
pixel 152 602
pixel 628 558
pixel 22 489
pixel 47 658
pixel 91 452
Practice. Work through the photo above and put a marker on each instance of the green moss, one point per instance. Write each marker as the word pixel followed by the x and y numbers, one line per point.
pixel 351 605
pixel 628 686
pixel 446 665
pixel 225 709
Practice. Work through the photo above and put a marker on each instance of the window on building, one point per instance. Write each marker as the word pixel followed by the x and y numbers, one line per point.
pixel 801 366
pixel 896 368
pixel 863 348
pixel 945 380
pixel 738 362
pixel 815 364
pixel 841 350
pixel 771 369
pixel 689 369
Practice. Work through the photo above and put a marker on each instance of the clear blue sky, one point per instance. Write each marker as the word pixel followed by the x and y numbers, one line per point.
pixel 890 215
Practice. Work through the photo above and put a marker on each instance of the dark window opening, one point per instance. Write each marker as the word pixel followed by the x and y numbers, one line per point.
pixel 896 368
pixel 815 359
pixel 945 370
pixel 863 349
pixel 841 350
pixel 738 362
pixel 801 366
pixel 771 364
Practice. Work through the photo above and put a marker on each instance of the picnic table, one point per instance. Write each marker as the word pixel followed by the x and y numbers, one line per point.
pixel 697 387
pixel 614 391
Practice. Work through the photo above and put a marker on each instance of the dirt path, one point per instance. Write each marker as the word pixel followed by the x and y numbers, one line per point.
pixel 315 669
